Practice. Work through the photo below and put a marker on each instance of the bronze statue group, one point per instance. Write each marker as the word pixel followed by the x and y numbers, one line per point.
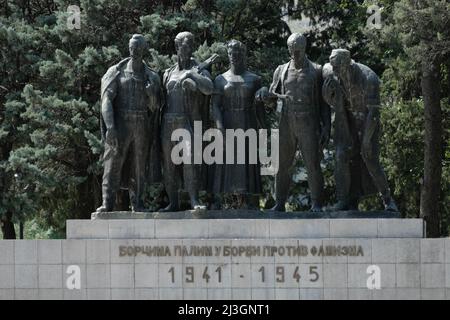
pixel 139 112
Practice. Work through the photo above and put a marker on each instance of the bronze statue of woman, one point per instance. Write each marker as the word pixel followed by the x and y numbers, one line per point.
pixel 234 107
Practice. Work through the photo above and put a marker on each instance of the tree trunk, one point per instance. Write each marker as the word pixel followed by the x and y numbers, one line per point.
pixel 431 188
pixel 21 227
pixel 8 227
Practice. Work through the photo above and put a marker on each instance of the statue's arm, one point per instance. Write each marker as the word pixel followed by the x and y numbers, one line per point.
pixel 164 92
pixel 330 88
pixel 203 81
pixel 107 105
pixel 259 106
pixel 274 87
pixel 325 110
pixel 268 95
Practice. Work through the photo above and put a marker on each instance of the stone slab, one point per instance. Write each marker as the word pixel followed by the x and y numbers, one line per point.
pixel 245 228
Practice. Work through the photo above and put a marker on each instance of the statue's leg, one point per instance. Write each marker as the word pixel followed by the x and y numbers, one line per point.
pixel 342 178
pixel 310 151
pixel 216 186
pixel 377 173
pixel 171 177
pixel 216 201
pixel 191 175
pixel 141 145
pixel 287 149
pixel 347 144
pixel 113 163
pixel 251 201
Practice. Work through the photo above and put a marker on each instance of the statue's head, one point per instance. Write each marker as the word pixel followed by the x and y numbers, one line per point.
pixel 138 46
pixel 297 46
pixel 184 44
pixel 340 60
pixel 237 52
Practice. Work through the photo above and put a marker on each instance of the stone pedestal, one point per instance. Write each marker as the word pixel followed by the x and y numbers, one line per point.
pixel 262 256
pixel 184 225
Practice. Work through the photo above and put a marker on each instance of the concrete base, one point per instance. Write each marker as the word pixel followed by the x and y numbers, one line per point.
pixel 184 256
pixel 244 228
pixel 225 269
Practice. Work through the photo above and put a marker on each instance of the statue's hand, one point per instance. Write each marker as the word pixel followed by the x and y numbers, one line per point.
pixel 186 75
pixel 264 95
pixel 331 91
pixel 261 94
pixel 189 84
pixel 111 138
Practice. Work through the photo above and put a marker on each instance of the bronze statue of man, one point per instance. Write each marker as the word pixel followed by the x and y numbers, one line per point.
pixel 353 89
pixel 304 123
pixel 234 107
pixel 130 103
pixel 187 90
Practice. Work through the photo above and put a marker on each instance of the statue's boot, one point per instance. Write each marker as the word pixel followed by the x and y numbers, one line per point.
pixel 195 204
pixel 316 207
pixel 173 203
pixel 193 194
pixel 107 205
pixel 170 208
pixel 341 205
pixel 279 206
pixel 137 205
pixel 390 205
pixel 215 205
pixel 138 208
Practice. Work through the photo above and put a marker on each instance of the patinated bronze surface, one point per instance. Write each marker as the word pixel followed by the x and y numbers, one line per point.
pixel 130 103
pixel 304 122
pixel 187 89
pixel 353 89
pixel 135 135
pixel 234 107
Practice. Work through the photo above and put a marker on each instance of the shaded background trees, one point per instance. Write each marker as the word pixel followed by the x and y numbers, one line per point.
pixel 50 79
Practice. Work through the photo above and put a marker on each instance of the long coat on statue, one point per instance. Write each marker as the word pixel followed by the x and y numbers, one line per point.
pixel 153 167
pixel 366 88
